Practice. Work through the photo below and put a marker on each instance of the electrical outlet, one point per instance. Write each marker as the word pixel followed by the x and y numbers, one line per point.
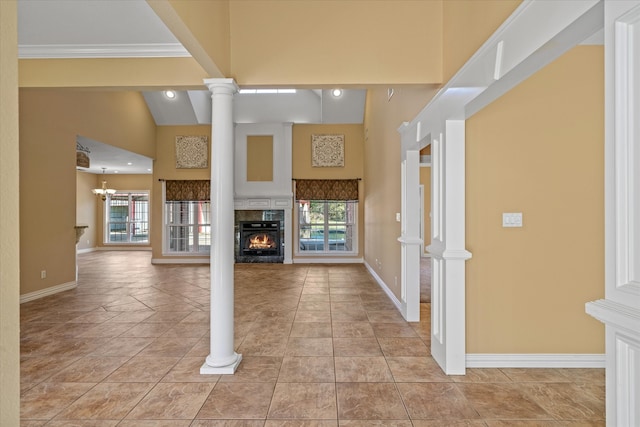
pixel 512 219
pixel 43 274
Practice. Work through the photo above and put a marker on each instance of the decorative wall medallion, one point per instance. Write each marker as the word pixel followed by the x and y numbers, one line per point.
pixel 327 150
pixel 192 152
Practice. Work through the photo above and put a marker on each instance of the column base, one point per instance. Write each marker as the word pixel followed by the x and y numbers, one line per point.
pixel 221 370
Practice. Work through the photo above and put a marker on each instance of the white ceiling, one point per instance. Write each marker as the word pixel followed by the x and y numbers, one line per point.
pixel 303 106
pixel 130 28
pixel 113 159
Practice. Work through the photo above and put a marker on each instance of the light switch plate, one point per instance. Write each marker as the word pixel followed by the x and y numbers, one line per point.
pixel 512 219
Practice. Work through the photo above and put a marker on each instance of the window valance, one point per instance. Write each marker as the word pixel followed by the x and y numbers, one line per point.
pixel 188 190
pixel 327 189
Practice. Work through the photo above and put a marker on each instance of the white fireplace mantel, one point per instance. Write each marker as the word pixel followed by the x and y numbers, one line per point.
pixel 266 195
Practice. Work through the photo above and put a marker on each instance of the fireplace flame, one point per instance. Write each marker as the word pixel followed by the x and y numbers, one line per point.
pixel 261 241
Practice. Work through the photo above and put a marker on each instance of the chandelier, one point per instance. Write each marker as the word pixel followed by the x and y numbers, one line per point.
pixel 104 191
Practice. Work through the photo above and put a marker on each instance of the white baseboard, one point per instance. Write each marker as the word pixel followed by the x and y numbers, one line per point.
pixel 87 250
pixel 535 360
pixel 322 260
pixel 399 305
pixel 123 248
pixel 180 260
pixel 48 291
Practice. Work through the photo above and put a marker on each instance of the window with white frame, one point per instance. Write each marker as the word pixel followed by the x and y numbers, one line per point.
pixel 188 227
pixel 327 216
pixel 127 217
pixel 187 218
pixel 327 226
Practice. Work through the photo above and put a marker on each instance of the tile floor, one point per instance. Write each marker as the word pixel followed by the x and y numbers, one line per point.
pixel 322 346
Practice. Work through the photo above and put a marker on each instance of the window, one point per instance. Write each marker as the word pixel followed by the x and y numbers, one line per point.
pixel 187 217
pixel 327 226
pixel 188 227
pixel 127 218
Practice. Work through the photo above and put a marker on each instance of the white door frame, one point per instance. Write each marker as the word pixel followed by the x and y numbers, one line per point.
pixel 519 48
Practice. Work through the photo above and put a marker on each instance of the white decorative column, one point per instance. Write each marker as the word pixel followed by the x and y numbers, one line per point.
pixel 410 241
pixel 448 333
pixel 222 358
pixel 620 310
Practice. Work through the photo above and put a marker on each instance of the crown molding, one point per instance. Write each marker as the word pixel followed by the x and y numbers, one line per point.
pixel 150 50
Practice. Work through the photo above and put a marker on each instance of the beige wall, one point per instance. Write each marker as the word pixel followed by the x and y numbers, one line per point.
pixel 293 43
pixel 164 167
pixel 87 208
pixel 122 183
pixel 50 120
pixel 538 150
pixel 467 24
pixel 9 219
pixel 208 24
pixel 140 73
pixel 259 158
pixel 353 163
pixel 382 174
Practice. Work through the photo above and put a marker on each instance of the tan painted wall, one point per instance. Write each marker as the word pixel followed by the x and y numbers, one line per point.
pixel 87 208
pixel 293 43
pixel 353 164
pixel 260 158
pixel 164 167
pixel 49 123
pixel 382 174
pixel 9 218
pixel 538 150
pixel 122 183
pixel 141 73
pixel 208 22
pixel 467 25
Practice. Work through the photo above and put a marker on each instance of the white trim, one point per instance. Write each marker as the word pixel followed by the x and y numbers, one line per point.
pixel 327 260
pixel 386 289
pixel 614 314
pixel 626 140
pixel 48 291
pixel 148 50
pixel 87 250
pixel 180 260
pixel 123 248
pixel 479 360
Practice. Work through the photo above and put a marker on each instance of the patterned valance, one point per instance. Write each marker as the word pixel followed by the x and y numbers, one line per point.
pixel 327 189
pixel 188 190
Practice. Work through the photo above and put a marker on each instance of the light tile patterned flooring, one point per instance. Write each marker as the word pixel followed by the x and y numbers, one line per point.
pixel 323 346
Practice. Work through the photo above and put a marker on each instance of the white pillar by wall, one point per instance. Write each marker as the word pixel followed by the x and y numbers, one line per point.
pixel 620 310
pixel 448 332
pixel 222 358
pixel 410 241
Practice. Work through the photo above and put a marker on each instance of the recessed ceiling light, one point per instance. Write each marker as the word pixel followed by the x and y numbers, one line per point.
pixel 129 163
pixel 336 92
pixel 115 171
pixel 171 94
pixel 148 170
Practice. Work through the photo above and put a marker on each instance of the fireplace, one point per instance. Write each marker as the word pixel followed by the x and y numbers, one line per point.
pixel 259 241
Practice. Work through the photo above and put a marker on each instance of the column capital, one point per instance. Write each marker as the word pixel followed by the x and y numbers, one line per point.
pixel 221 85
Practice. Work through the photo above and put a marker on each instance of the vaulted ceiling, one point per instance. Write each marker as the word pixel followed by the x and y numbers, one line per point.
pixel 125 29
